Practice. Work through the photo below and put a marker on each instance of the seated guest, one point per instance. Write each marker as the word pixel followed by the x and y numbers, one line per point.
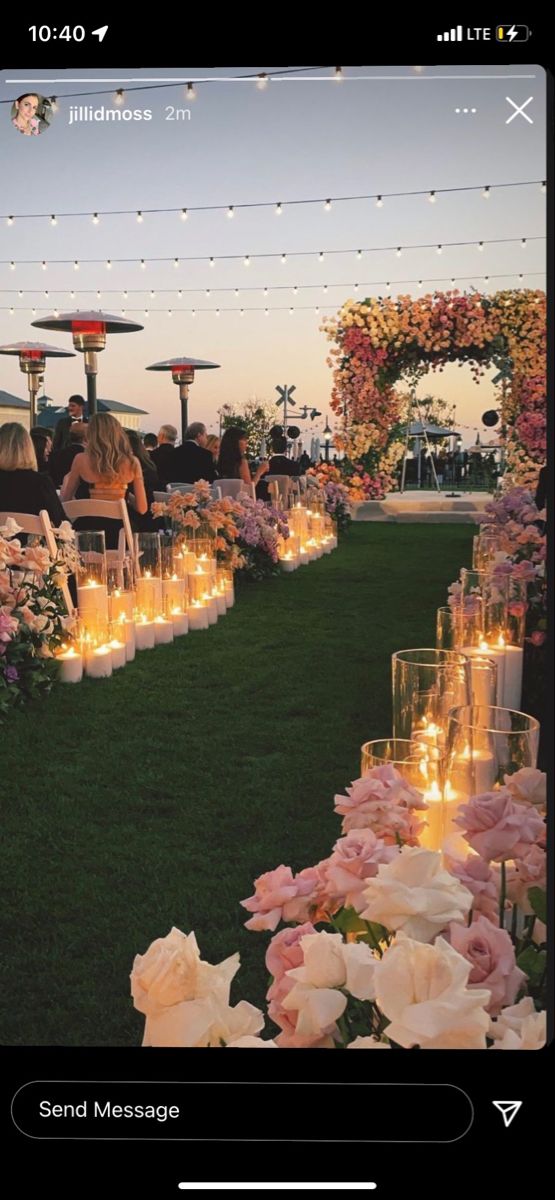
pixel 23 488
pixel 213 444
pixel 150 441
pixel 109 467
pixel 42 441
pixel 60 461
pixel 232 463
pixel 75 412
pixel 192 460
pixel 305 462
pixel 280 464
pixel 150 480
pixel 163 455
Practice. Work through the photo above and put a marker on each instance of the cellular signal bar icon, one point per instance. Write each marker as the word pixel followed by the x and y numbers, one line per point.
pixel 452 35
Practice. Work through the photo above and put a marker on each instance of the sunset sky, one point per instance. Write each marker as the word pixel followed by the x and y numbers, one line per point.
pixel 298 139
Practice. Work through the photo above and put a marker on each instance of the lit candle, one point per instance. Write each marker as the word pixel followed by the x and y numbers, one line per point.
pixel 211 608
pixel 98 662
pixel 149 593
pixel 198 583
pixel 497 654
pixel 172 591
pixel 483 687
pixel 512 689
pixel 126 632
pixel 451 801
pixel 229 592
pixel 289 562
pixel 198 615
pixel 144 633
pixel 430 733
pixel 180 621
pixel 121 602
pixel 432 836
pixel 163 631
pixel 92 602
pixel 482 770
pixel 119 656
pixel 70 665
pixel 305 556
pixel 219 596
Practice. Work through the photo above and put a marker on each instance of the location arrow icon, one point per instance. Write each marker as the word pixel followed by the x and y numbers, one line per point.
pixel 508 1109
pixel 100 33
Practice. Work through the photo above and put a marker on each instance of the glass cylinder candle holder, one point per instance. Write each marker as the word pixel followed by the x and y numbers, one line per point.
pixel 148 556
pixel 426 685
pixel 117 644
pixel 485 547
pixel 447 628
pixel 92 583
pixel 483 680
pixel 184 558
pixel 486 743
pixel 173 584
pixel 199 582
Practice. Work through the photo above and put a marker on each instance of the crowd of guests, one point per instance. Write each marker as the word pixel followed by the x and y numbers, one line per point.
pixel 98 459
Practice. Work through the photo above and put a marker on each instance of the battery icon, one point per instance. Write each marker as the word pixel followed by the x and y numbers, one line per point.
pixel 512 33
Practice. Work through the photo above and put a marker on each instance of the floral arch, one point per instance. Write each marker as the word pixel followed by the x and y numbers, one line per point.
pixel 382 344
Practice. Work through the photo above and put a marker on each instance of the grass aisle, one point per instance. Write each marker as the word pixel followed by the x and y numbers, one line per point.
pixel 155 798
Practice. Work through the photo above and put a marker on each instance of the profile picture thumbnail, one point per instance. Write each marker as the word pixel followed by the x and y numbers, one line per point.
pixel 31 113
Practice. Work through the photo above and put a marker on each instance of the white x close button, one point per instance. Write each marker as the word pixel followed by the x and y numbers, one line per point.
pixel 519 110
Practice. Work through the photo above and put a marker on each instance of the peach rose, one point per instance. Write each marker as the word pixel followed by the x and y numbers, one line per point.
pixel 414 893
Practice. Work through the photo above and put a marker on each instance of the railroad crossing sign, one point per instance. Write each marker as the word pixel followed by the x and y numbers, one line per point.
pixel 285 393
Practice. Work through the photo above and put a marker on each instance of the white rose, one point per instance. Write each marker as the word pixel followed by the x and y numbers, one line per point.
pixel 360 965
pixel 323 960
pixel 519 1027
pixel 206 1022
pixel 423 991
pixel 172 971
pixel 414 893
pixel 317 1009
pixel 528 786
pixel 368 1043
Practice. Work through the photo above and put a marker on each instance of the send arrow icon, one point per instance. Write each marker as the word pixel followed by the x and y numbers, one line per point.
pixel 508 1109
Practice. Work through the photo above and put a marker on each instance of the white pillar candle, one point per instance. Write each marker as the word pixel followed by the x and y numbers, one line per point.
pixel 198 583
pixel 451 801
pixel 220 600
pixel 163 631
pixel 121 602
pixel 198 615
pixel 180 622
pixel 185 562
pixel 512 688
pixel 149 597
pixel 430 733
pixel 92 602
pixel 172 592
pixel 432 836
pixel 482 774
pixel 70 666
pixel 288 562
pixel 126 633
pixel 98 663
pixel 144 634
pixel 229 593
pixel 305 556
pixel 119 656
pixel 211 608
pixel 497 655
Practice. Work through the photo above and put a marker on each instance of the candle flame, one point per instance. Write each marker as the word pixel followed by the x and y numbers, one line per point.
pixel 450 792
pixel 433 792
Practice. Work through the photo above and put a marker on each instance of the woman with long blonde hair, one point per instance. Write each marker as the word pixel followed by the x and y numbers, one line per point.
pixel 109 467
pixel 23 488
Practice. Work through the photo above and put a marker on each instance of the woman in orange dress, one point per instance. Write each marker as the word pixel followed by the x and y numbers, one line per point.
pixel 109 467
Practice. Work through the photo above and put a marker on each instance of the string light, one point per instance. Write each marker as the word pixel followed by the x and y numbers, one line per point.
pixel 9 221
pixel 543 189
pixel 109 264
pixel 53 220
pixel 291 311
pixel 356 287
pixel 327 205
pixel 20 294
pixel 56 313
pixel 486 193
pixel 43 264
pixel 208 292
pixel 180 295
pixel 47 294
pixel 184 214
pixel 266 312
pixel 54 104
pixel 321 256
pixel 338 74
pixel 420 283
pixel 278 209
pixel 153 295
pixel 170 314
pixel 520 278
pixel 295 290
pixel 325 287
pixel 146 312
pixel 399 252
pixel 284 258
pixel 190 92
pixel 11 312
pixel 439 250
pixel 95 219
pixel 231 211
pixel 143 264
pixel 76 265
pixel 140 217
pixel 212 262
pixel 119 96
pixel 242 312
pixel 316 310
pixel 176 262
pixel 72 295
pixel 265 292
pixel 432 197
pixel 262 81
pixel 217 312
pixel 523 243
pixel 247 261
pixel 388 286
pixel 12 266
pixel 379 202
pixel 99 295
pixel 33 312
pixel 480 246
pixel 193 312
pixel 125 295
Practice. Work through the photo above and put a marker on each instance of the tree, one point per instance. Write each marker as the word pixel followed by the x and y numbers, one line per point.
pixel 256 417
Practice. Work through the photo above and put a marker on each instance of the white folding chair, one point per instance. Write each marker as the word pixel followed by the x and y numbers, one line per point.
pixel 40 526
pixel 114 510
pixel 280 484
pixel 236 488
pixel 180 487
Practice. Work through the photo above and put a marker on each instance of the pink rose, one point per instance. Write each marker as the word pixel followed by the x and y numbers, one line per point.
pixel 284 954
pixel 478 877
pixel 8 626
pixel 383 802
pixel 491 954
pixel 497 828
pixel 537 638
pixel 281 896
pixel 355 859
pixel 529 871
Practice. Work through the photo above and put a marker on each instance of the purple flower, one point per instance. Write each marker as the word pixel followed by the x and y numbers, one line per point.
pixel 11 674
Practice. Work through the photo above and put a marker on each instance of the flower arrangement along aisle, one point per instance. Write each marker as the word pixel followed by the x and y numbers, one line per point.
pixel 196 513
pixel 260 527
pixel 33 617
pixel 337 495
pixel 383 342
pixel 381 946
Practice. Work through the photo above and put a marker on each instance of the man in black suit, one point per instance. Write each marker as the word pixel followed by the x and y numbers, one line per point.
pixel 164 455
pixel 75 415
pixel 192 460
pixel 280 464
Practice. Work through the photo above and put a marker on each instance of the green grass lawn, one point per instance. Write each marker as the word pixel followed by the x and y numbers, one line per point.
pixel 155 798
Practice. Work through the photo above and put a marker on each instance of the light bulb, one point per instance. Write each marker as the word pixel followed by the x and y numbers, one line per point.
pixel 338 74
pixel 420 283
pixel 432 197
pixel 262 80
pixel 99 295
pixel 153 295
pixel 379 202
pixel 11 312
pixel 76 265
pixel 321 256
pixel 12 266
pixel 10 221
pixel 170 314
pixel 295 290
pixel 208 292
pixel 439 250
pixel 291 311
pixel 480 245
pixel 247 261
pixel 284 258
pixel 398 251
pixel 146 312
pixel 20 294
pixel 278 209
pixel 56 313
pixel 359 254
pixel 316 310
pixel 72 295
pixel 266 312
pixel 43 266
pixel 265 292
pixel 193 313
pixel 486 193
pixel 523 243
pixel 327 205
pixel 543 189
pixel 236 291
pixel 356 287
pixel 140 217
pixel 191 92
pixel 119 96
pixel 109 264
pixel 47 294
pixel 95 219
pixel 143 264
pixel 217 312
pixel 176 262
pixel 212 262
pixel 184 214
pixel 242 312
pixel 180 295
pixel 53 220
pixel 325 287
pixel 125 295
pixel 231 211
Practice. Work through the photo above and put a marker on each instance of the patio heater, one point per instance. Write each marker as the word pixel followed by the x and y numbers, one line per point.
pixel 89 330
pixel 183 374
pixel 32 362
